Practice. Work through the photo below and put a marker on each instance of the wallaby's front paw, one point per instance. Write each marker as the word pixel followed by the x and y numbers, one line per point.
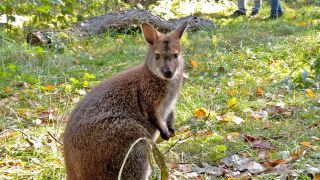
pixel 172 131
pixel 165 135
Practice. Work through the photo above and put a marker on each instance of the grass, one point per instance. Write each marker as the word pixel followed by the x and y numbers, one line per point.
pixel 40 86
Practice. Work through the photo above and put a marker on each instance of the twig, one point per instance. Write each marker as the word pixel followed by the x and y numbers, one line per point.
pixel 213 160
pixel 24 134
pixel 181 139
pixel 57 140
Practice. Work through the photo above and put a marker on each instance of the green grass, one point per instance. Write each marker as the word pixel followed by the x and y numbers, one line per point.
pixel 252 52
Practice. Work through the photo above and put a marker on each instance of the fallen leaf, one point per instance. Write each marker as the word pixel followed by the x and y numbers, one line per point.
pixel 76 61
pixel 7 90
pixel 230 83
pixel 194 64
pixel 264 155
pixel 259 91
pixel 201 112
pixel 232 136
pixel 254 167
pixel 232 102
pixel 317 176
pixel 301 24
pixel 248 138
pixel 204 133
pixel 310 93
pixel 85 84
pixel 82 92
pixel 272 164
pixel 306 144
pixel 297 154
pixel 49 87
pixel 237 120
pixel 262 145
pixel 266 125
pixel 229 116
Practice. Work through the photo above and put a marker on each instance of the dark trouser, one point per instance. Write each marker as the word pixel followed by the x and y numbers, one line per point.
pixel 275 8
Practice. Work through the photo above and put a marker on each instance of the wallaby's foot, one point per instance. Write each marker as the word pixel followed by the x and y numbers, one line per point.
pixel 172 131
pixel 165 135
pixel 170 120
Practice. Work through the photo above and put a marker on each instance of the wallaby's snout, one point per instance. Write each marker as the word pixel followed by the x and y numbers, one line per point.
pixel 170 65
pixel 167 73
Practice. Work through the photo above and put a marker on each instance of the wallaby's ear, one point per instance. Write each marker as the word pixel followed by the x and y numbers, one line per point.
pixel 150 33
pixel 180 30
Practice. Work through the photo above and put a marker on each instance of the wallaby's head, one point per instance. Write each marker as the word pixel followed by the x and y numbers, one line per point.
pixel 164 57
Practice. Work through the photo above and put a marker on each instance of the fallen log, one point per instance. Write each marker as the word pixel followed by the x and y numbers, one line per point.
pixel 120 20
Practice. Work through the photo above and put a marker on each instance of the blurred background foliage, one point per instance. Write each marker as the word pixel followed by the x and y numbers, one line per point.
pixel 23 16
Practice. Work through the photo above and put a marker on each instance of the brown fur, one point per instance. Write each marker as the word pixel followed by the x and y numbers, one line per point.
pixel 135 103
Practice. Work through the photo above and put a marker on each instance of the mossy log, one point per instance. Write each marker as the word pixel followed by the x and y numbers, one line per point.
pixel 120 21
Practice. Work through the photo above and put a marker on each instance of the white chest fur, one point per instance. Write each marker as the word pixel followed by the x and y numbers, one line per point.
pixel 169 102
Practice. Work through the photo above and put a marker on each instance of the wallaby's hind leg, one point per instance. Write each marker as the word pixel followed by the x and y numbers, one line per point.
pixel 138 160
pixel 106 146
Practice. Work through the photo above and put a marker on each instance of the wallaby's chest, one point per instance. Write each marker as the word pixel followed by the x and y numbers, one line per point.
pixel 170 99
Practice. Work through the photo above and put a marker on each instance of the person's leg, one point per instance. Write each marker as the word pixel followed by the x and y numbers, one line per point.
pixel 241 9
pixel 274 8
pixel 280 10
pixel 242 6
pixel 256 7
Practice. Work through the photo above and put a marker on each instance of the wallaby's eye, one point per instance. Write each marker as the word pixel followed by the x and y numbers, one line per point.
pixel 157 56
pixel 175 55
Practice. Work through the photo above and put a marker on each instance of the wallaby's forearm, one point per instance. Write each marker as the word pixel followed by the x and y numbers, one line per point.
pixel 170 121
pixel 154 116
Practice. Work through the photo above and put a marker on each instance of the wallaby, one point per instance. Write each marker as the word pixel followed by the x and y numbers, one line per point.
pixel 138 102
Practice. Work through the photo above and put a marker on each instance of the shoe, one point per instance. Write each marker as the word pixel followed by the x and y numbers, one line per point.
pixel 237 13
pixel 254 14
pixel 280 14
pixel 271 17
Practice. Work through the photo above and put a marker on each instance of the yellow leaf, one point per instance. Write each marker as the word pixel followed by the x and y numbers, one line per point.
pixel 232 102
pixel 85 83
pixel 7 90
pixel 306 143
pixel 194 64
pixel 302 24
pixel 68 88
pixel 200 112
pixel 49 87
pixel 232 92
pixel 259 91
pixel 310 93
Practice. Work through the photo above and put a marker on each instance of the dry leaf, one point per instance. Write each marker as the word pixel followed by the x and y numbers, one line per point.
pixel 259 91
pixel 262 145
pixel 310 93
pixel 194 64
pixel 7 90
pixel 266 125
pixel 237 120
pixel 231 136
pixel 264 155
pixel 306 144
pixel 49 87
pixel 302 24
pixel 296 154
pixel 201 112
pixel 272 164
pixel 248 138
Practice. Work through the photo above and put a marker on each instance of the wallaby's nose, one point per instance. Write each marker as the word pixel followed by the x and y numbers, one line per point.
pixel 168 73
